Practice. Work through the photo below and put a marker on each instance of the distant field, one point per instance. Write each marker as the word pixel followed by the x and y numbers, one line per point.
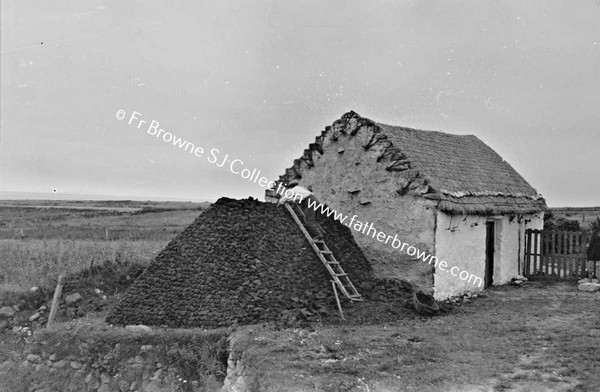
pixel 106 204
pixel 584 215
pixel 95 220
pixel 66 236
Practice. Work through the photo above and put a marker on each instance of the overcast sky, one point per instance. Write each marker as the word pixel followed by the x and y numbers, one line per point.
pixel 258 80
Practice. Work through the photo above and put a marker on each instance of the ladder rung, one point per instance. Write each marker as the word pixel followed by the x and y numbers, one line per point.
pixel 328 259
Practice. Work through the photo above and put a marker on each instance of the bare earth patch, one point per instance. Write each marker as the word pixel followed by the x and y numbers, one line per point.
pixel 537 337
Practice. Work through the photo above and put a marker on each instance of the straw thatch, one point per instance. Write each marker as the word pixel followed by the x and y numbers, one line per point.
pixel 460 172
pixel 467 174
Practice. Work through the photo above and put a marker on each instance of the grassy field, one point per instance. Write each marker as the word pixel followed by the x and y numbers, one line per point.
pixel 66 236
pixel 24 264
pixel 74 220
pixel 584 215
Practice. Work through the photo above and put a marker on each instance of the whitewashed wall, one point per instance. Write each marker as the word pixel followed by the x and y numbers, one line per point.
pixel 352 181
pixel 461 242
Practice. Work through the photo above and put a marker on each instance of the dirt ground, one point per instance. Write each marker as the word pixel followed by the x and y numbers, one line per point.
pixel 536 337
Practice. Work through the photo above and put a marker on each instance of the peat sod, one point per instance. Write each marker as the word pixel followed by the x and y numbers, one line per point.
pixel 244 261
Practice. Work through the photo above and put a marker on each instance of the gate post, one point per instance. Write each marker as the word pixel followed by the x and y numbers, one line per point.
pixel 527 254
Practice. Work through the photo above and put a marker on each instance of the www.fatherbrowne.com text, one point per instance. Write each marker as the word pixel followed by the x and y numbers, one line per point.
pixel 236 166
pixel 368 229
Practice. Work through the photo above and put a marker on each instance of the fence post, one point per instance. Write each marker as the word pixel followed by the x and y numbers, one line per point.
pixel 563 245
pixel 536 258
pixel 583 259
pixel 574 252
pixel 526 256
pixel 573 246
pixel 546 255
pixel 55 300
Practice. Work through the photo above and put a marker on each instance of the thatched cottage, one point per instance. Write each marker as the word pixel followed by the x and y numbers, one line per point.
pixel 450 197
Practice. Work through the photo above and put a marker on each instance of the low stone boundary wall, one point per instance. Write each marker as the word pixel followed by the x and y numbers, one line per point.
pixel 119 360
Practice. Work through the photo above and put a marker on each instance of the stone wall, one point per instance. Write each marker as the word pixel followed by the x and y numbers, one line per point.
pixel 118 361
pixel 27 312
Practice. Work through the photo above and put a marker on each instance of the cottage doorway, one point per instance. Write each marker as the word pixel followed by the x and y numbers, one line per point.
pixel 489 253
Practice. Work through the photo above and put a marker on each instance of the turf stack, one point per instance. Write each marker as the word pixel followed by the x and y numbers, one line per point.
pixel 241 260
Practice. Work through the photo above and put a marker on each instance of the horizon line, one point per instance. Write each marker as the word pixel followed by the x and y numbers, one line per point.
pixel 16 195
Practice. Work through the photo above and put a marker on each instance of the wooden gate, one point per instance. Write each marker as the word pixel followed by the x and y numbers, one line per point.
pixel 558 254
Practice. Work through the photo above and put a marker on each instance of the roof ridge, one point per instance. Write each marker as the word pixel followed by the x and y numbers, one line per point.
pixel 434 164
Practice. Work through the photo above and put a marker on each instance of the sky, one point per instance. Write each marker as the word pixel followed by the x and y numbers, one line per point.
pixel 258 80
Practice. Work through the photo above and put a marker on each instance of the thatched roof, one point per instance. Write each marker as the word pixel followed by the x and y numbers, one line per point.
pixel 464 172
pixel 460 172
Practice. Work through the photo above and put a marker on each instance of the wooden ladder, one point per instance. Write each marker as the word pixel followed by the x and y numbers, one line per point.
pixel 339 277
